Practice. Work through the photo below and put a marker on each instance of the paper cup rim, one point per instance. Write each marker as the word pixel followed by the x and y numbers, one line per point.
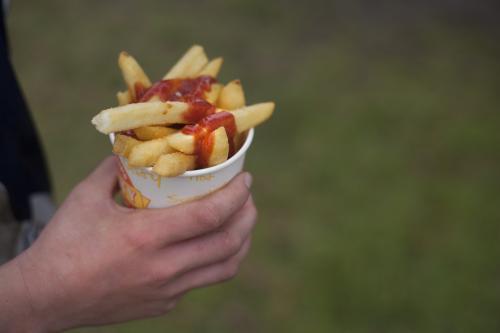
pixel 201 172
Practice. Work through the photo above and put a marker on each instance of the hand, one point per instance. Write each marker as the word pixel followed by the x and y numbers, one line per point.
pixel 98 263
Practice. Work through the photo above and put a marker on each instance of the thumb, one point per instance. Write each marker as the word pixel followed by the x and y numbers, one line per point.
pixel 104 177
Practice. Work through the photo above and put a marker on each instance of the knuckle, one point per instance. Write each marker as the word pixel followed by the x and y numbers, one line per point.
pixel 231 242
pixel 84 194
pixel 209 215
pixel 138 239
pixel 158 276
pixel 169 271
pixel 242 188
pixel 230 271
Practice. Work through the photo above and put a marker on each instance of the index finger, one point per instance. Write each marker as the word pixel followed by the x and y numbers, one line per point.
pixel 185 221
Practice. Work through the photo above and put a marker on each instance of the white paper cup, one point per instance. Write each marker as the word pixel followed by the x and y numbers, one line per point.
pixel 142 188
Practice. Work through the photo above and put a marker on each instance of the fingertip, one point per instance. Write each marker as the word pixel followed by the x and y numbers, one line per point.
pixel 110 160
pixel 107 164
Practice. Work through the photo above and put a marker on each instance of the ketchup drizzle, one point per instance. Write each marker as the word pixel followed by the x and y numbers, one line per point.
pixel 200 112
pixel 203 139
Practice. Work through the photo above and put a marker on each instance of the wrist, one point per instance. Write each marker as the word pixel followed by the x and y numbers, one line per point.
pixel 43 292
pixel 17 313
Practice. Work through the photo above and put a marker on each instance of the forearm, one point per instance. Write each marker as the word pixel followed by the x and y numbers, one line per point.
pixel 16 312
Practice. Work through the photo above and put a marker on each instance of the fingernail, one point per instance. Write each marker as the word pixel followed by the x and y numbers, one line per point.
pixel 248 180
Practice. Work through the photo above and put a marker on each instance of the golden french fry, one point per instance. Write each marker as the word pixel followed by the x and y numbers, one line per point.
pixel 189 64
pixel 197 65
pixel 133 74
pixel 140 114
pixel 253 115
pixel 123 97
pixel 182 142
pixel 146 153
pixel 232 96
pixel 244 118
pixel 153 132
pixel 174 164
pixel 220 148
pixel 212 95
pixel 212 68
pixel 123 144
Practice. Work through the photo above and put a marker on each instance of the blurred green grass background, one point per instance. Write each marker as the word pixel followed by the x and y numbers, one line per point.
pixel 377 179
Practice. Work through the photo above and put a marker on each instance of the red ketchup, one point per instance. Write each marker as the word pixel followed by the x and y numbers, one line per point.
pixel 200 112
pixel 204 142
pixel 191 91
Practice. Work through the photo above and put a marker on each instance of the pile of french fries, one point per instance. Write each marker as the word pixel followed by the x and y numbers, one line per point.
pixel 183 129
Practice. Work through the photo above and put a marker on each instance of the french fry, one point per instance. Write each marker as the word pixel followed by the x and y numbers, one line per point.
pixel 123 144
pixel 146 153
pixel 123 97
pixel 133 74
pixel 174 164
pixel 189 64
pixel 245 118
pixel 196 66
pixel 136 115
pixel 212 68
pixel 212 95
pixel 253 115
pixel 220 150
pixel 232 96
pixel 153 132
pixel 184 143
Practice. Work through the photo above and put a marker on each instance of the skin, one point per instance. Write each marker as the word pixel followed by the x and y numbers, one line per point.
pixel 99 263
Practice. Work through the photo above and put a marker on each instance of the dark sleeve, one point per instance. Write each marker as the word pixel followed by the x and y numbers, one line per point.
pixel 22 166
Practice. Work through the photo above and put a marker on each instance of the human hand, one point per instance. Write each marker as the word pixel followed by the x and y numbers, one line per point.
pixel 99 263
